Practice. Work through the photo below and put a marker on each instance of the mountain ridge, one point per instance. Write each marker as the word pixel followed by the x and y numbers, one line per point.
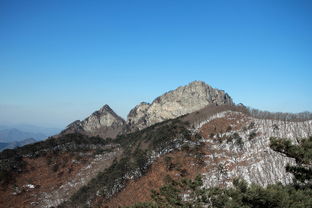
pixel 13 134
pixel 219 142
pixel 172 104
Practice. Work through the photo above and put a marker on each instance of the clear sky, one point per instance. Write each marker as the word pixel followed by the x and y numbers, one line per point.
pixel 61 60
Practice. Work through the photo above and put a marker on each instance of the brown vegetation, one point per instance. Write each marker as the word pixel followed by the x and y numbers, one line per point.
pixel 181 164
pixel 201 115
pixel 45 173
pixel 225 124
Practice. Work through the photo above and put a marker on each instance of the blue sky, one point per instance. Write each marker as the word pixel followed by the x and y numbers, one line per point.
pixel 61 60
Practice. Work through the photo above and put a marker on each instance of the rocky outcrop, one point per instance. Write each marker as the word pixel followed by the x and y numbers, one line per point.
pixel 183 100
pixel 104 123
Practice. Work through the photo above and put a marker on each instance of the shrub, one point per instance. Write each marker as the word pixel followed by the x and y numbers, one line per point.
pixel 252 135
pixel 55 167
pixel 229 128
pixel 5 177
pixel 251 125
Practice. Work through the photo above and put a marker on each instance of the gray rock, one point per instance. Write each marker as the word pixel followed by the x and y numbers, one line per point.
pixel 104 122
pixel 183 100
pixel 186 99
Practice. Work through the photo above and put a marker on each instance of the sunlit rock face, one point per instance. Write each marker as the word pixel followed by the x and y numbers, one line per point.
pixel 103 117
pixel 183 100
pixel 104 122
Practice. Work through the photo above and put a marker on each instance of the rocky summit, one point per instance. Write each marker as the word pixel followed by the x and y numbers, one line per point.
pixel 183 100
pixel 103 122
pixel 175 103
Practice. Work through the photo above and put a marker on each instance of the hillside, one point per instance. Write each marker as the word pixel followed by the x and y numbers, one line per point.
pixel 230 144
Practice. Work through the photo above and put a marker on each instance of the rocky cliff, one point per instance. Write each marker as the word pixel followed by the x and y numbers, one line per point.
pixel 104 123
pixel 183 100
pixel 175 103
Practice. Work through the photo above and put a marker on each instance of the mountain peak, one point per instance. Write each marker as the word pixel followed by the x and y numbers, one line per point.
pixel 197 82
pixel 183 100
pixel 175 103
pixel 197 85
pixel 103 122
pixel 106 108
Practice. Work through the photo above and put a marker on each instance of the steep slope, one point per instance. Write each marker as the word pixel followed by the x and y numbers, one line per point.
pixel 140 149
pixel 242 149
pixel 46 173
pixel 104 123
pixel 229 144
pixel 183 100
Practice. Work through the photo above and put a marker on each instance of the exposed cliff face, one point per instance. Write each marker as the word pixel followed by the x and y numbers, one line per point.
pixel 183 100
pixel 104 122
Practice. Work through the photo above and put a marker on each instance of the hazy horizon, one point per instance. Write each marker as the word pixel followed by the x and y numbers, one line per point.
pixel 62 60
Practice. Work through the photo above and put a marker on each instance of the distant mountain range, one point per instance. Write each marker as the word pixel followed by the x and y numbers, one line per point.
pixel 15 144
pixel 12 135
pixel 31 129
pixel 19 135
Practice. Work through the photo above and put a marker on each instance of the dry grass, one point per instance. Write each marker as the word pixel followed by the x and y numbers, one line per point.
pixel 41 174
pixel 139 190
